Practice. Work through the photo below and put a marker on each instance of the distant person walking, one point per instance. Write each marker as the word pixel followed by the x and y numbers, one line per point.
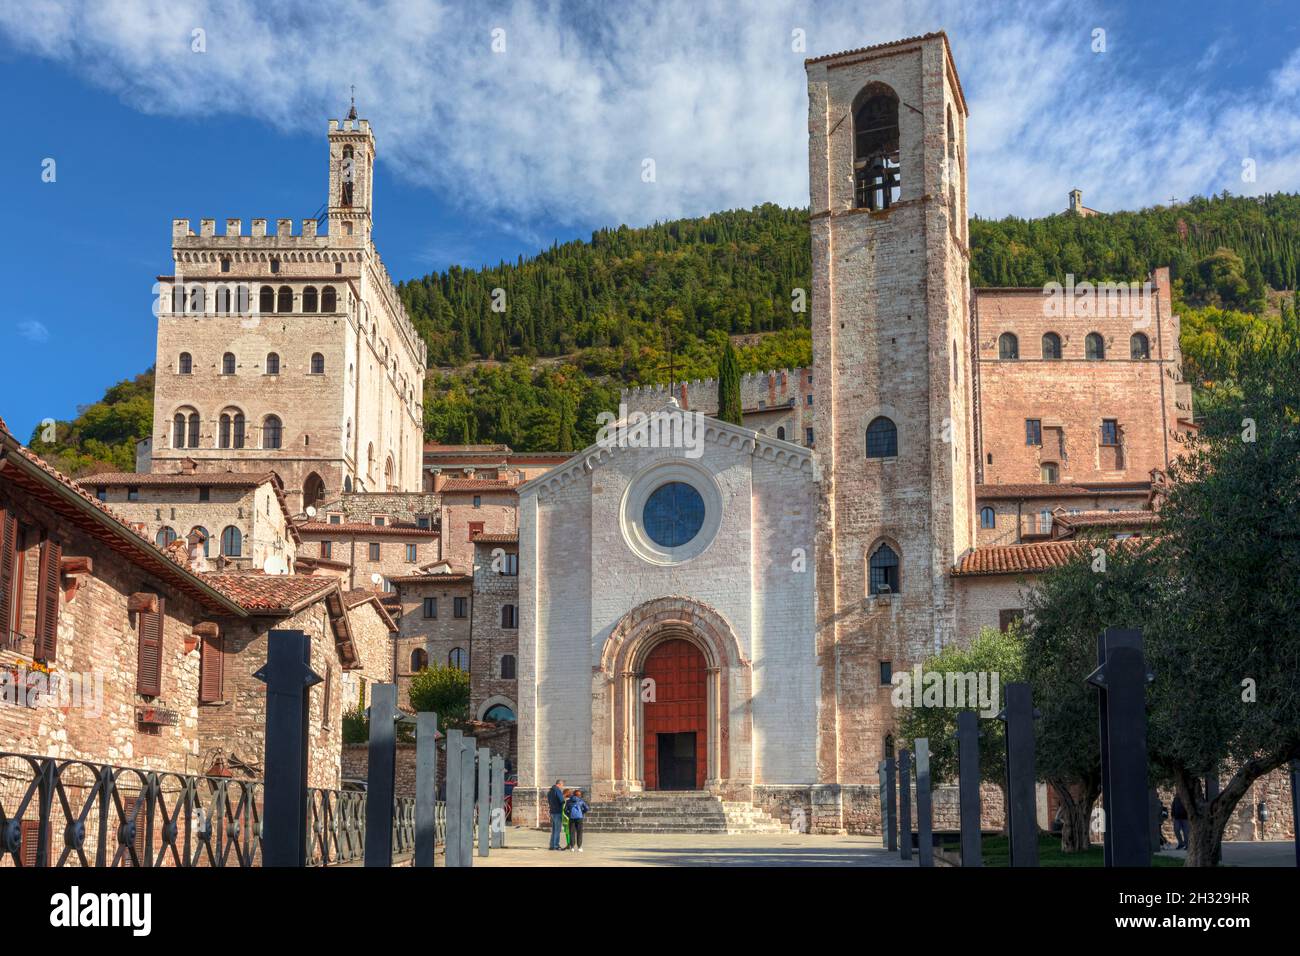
pixel 1182 827
pixel 577 808
pixel 555 803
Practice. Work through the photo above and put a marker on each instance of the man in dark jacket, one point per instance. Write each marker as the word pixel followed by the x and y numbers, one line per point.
pixel 1182 829
pixel 555 803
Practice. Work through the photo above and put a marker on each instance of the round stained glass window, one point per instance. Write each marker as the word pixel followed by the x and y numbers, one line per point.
pixel 673 514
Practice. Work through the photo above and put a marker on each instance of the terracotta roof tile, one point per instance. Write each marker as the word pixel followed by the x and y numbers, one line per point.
pixel 216 479
pixel 476 484
pixel 366 529
pixel 433 579
pixel 498 537
pixel 1018 558
pixel 1028 490
pixel 1106 519
pixel 255 591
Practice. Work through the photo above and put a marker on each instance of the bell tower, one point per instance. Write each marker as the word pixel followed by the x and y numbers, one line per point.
pixel 351 186
pixel 892 367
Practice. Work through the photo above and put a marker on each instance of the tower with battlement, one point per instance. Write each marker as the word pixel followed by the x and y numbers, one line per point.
pixel 892 393
pixel 291 351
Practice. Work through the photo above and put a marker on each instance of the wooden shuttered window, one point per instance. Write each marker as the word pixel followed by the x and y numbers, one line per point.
pixel 329 693
pixel 47 600
pixel 149 632
pixel 8 562
pixel 211 664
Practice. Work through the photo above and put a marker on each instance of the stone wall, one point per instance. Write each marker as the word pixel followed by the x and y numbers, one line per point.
pixel 1071 396
pixel 234 729
pixel 436 636
pixel 97 651
pixel 490 641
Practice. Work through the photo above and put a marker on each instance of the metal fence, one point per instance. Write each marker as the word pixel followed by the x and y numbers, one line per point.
pixel 75 813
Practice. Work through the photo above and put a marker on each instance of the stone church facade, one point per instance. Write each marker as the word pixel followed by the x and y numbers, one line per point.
pixel 946 446
pixel 291 352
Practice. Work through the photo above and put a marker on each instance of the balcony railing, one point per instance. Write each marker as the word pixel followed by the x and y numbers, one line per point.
pixel 75 813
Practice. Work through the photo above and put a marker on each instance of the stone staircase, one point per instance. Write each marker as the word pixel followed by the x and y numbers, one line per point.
pixel 679 811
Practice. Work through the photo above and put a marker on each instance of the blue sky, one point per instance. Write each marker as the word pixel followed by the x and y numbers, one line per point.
pixel 487 154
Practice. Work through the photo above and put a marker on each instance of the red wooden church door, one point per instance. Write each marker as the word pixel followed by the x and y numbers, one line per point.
pixel 680 707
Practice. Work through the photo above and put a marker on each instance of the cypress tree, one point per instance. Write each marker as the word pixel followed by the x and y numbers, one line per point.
pixel 729 409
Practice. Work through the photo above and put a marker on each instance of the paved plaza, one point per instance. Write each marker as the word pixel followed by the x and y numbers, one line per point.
pixel 528 848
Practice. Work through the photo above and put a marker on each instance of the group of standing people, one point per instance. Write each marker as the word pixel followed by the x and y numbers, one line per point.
pixel 568 812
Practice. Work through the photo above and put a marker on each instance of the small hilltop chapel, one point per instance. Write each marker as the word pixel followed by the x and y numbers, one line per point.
pixel 723 621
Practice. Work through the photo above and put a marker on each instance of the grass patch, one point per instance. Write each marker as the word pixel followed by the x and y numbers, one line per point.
pixel 997 852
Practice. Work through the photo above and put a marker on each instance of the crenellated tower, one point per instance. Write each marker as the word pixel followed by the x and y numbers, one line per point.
pixel 291 352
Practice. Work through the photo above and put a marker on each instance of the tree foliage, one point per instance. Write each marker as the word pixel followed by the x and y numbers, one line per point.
pixel 444 690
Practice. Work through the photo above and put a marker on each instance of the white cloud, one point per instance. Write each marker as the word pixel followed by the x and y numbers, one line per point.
pixel 555 129
pixel 33 331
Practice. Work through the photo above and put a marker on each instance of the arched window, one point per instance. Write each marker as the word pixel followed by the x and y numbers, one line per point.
pixel 203 532
pixel 178 430
pixel 1139 347
pixel 499 713
pixel 231 431
pixel 370 459
pixel 1052 347
pixel 458 658
pixel 508 668
pixel 193 423
pixel 988 517
pixel 876 173
pixel 186 364
pixel 284 299
pixel 419 660
pixel 347 483
pixel 884 571
pixel 232 542
pixel 780 432
pixel 272 432
pixel 509 617
pixel 266 299
pixel 317 364
pixel 1008 346
pixel 178 299
pixel 1094 347
pixel 882 438
pixel 329 300
pixel 310 299
pixel 198 300
pixel 223 299
pixel 228 364
pixel 272 364
pixel 1050 473
pixel 388 473
pixel 164 537
pixel 346 177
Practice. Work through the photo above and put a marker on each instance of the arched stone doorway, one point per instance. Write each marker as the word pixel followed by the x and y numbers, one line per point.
pixel 313 490
pixel 674 716
pixel 699 648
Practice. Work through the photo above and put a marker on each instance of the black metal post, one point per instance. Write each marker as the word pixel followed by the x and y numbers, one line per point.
pixel 1295 806
pixel 891 832
pixel 426 788
pixel 1122 677
pixel 484 801
pixel 1021 783
pixel 968 772
pixel 381 775
pixel 924 825
pixel 288 677
pixel 452 828
pixel 904 805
